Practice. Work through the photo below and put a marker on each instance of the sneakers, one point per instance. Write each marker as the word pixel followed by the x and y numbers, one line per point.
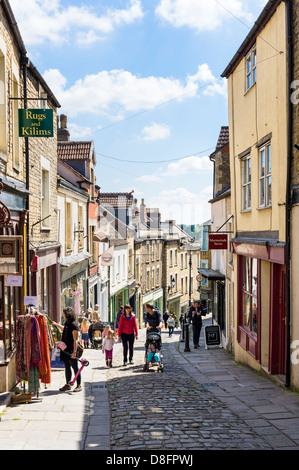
pixel 125 363
pixel 65 388
pixel 131 362
pixel 78 388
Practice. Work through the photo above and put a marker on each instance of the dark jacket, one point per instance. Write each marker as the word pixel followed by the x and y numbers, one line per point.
pixel 153 320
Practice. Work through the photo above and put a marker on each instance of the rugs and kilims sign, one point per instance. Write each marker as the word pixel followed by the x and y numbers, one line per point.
pixel 35 122
pixel 217 241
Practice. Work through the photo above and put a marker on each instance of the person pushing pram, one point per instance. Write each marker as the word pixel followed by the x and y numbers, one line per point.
pixel 153 323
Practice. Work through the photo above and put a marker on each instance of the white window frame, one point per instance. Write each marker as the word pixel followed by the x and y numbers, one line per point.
pixel 45 168
pixel 265 178
pixel 250 69
pixel 246 183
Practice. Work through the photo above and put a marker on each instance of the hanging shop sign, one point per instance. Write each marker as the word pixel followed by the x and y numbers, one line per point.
pixel 36 123
pixel 11 254
pixel 217 241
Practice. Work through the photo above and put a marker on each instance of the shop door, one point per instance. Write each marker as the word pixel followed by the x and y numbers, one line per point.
pixel 277 353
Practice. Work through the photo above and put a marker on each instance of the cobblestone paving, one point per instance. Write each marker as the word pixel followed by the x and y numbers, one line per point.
pixel 170 410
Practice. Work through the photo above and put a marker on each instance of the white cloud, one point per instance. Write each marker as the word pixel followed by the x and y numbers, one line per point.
pixel 48 20
pixel 112 93
pixel 182 205
pixel 201 15
pixel 189 165
pixel 155 132
pixel 154 178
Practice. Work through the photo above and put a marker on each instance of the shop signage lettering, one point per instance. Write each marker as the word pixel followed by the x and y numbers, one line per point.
pixel 36 123
pixel 217 241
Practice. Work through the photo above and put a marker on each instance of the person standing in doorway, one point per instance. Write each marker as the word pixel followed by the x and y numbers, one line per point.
pixel 127 332
pixel 195 314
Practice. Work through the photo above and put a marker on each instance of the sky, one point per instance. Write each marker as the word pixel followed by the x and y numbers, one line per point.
pixel 142 79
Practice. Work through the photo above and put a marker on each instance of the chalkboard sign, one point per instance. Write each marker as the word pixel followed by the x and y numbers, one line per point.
pixel 212 335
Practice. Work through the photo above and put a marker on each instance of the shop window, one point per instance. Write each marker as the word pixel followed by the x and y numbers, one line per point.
pixel 9 310
pixel 249 294
pixel 246 183
pixel 265 186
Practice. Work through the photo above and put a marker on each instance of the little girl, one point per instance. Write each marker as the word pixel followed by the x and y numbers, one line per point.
pixel 84 330
pixel 107 346
pixel 106 330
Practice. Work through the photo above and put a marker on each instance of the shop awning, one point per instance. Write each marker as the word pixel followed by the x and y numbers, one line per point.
pixel 100 237
pixel 211 274
pixel 71 260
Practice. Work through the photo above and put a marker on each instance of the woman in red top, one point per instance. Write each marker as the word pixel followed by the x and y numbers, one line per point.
pixel 127 331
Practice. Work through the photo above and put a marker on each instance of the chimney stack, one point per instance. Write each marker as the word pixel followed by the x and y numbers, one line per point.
pixel 63 134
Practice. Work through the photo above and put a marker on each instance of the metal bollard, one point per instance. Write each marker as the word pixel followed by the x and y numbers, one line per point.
pixel 187 349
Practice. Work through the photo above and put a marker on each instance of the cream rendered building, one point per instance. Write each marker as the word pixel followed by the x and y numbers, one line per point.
pixel 258 117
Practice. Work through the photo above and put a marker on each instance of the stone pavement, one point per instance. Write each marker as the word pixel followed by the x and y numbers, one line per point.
pixel 202 400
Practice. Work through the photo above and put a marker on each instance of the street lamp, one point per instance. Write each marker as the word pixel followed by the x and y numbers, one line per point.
pixel 186 323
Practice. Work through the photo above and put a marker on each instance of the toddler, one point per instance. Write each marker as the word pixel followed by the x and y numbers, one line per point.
pixel 153 355
pixel 107 346
pixel 84 331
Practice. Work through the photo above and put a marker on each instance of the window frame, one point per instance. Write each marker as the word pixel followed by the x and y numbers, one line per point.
pixel 252 294
pixel 246 183
pixel 45 168
pixel 264 179
pixel 250 79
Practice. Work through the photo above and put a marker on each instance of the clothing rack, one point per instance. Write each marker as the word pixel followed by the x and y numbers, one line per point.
pixel 34 340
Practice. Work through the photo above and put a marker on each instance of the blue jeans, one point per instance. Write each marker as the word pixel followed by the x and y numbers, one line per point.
pixel 171 328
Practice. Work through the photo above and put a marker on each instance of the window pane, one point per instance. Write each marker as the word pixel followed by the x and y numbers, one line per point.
pixel 246 310
pixel 249 196
pixel 269 190
pixel 254 277
pixel 249 169
pixel 262 192
pixel 269 160
pixel 262 163
pixel 254 316
pixel 246 274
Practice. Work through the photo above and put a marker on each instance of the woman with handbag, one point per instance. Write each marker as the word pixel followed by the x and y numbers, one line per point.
pixel 70 337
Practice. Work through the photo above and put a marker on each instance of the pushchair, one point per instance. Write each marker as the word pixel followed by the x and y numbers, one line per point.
pixel 95 334
pixel 154 337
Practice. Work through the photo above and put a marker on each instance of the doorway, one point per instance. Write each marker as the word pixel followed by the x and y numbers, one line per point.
pixel 277 343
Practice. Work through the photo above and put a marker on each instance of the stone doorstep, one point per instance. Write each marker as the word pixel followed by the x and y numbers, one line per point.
pixel 5 400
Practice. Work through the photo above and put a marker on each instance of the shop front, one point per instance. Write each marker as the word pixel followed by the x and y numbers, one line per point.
pixel 12 275
pixel 45 280
pixel 74 283
pixel 116 300
pixel 261 306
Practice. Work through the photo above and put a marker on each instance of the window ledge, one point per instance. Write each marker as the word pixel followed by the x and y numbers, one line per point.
pixel 263 208
pixel 248 90
pixel 244 211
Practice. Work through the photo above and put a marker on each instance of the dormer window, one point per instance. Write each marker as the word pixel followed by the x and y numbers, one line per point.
pixel 251 69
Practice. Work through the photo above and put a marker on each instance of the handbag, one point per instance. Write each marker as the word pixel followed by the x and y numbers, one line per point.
pixel 80 348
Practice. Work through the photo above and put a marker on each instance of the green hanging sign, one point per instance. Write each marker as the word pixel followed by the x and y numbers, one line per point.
pixel 36 123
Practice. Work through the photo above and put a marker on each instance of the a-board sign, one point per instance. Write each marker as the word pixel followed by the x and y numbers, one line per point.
pixel 212 335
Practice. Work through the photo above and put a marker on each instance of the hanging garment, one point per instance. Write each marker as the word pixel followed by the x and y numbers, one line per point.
pixel 44 367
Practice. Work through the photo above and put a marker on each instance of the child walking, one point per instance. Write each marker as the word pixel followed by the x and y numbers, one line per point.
pixel 84 331
pixel 107 346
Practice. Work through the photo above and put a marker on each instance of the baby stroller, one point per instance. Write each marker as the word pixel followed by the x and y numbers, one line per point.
pixel 95 335
pixel 154 337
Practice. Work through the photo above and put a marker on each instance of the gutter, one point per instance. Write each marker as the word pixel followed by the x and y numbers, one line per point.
pixel 289 196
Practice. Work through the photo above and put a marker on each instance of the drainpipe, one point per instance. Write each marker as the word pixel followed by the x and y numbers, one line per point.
pixel 289 197
pixel 24 63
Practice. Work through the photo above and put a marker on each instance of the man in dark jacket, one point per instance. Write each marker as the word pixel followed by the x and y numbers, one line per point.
pixel 195 313
pixel 152 318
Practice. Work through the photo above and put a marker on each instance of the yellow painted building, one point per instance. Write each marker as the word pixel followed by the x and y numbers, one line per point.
pixel 258 122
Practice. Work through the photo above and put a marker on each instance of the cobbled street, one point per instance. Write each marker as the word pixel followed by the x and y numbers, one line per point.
pixel 202 400
pixel 174 410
